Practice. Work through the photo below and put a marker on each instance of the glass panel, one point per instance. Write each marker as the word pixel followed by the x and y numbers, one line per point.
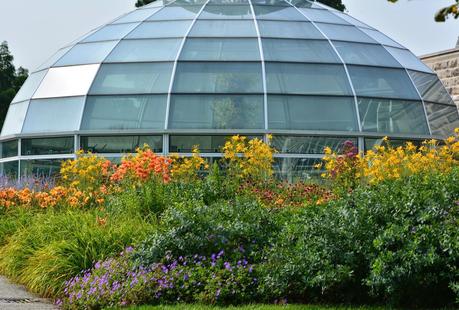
pixel 111 32
pixel 217 112
pixel 270 2
pixel 87 53
pixel 227 2
pixel 124 112
pixel 408 60
pixel 311 113
pixel 145 50
pixel 30 86
pixel 15 118
pixel 53 59
pixel 289 30
pixel 323 16
pixel 136 16
pixel 226 12
pixel 295 169
pixel 344 33
pixel 165 29
pixel 431 88
pixel 382 82
pixel 67 81
pixel 120 144
pixel 392 116
pixel 371 143
pixel 47 146
pixel 305 4
pixel 139 78
pixel 278 13
pixel 206 144
pixel 381 38
pixel 218 78
pixel 288 78
pixel 220 49
pixel 187 2
pixel 9 169
pixel 308 145
pixel 9 148
pixel 299 50
pixel 41 167
pixel 350 19
pixel 177 12
pixel 60 114
pixel 223 28
pixel 442 119
pixel 365 54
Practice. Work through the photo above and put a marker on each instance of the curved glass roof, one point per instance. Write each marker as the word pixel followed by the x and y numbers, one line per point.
pixel 267 65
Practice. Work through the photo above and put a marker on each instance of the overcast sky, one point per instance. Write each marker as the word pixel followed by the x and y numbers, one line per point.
pixel 35 29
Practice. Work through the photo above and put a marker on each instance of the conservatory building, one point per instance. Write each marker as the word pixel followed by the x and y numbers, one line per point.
pixel 174 74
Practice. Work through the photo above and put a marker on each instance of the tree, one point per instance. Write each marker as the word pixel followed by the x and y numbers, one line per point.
pixel 337 4
pixel 11 80
pixel 444 13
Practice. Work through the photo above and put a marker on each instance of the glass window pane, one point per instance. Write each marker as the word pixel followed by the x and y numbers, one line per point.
pixel 41 167
pixel 142 78
pixel 67 81
pixel 288 78
pixel 381 38
pixel 220 49
pixel 382 82
pixel 47 146
pixel 9 148
pixel 10 169
pixel 165 29
pixel 111 32
pixel 30 86
pixel 431 88
pixel 299 50
pixel 365 54
pixel 53 59
pixel 216 112
pixel 15 118
pixel 120 144
pixel 392 116
pixel 226 12
pixel 344 33
pixel 323 16
pixel 223 28
pixel 226 2
pixel 87 53
pixel 442 119
pixel 278 13
pixel 308 145
pixel 305 4
pixel 176 12
pixel 136 16
pixel 145 50
pixel 206 144
pixel 296 169
pixel 218 78
pixel 408 60
pixel 311 113
pixel 371 143
pixel 350 19
pixel 124 112
pixel 289 30
pixel 65 116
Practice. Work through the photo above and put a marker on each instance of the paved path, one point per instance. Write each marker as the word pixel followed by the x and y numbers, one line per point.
pixel 15 297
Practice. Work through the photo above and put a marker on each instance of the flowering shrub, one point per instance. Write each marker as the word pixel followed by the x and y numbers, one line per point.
pixel 186 169
pixel 196 278
pixel 248 159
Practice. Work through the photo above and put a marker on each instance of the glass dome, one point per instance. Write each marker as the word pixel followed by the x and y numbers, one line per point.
pixel 177 73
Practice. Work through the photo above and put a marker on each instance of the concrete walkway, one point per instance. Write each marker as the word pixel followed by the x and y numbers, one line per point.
pixel 15 297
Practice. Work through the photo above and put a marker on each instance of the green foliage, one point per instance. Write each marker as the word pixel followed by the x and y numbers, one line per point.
pixel 444 13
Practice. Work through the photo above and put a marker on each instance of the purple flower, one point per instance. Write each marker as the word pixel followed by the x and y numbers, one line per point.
pixel 217 293
pixel 227 266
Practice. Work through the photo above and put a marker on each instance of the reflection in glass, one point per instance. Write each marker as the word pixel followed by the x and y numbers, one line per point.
pixel 381 38
pixel 392 116
pixel 160 29
pixel 216 112
pixel 299 50
pixel 65 115
pixel 219 49
pixel 311 113
pixel 145 50
pixel 30 86
pixel 408 60
pixel 218 78
pixel 40 167
pixel 87 53
pixel 323 16
pixel 223 28
pixel 47 146
pixel 344 33
pixel 288 30
pixel 176 13
pixel 111 32
pixel 308 145
pixel 365 54
pixel 15 118
pixel 370 143
pixel 9 169
pixel 295 169
pixel 120 144
pixel 133 78
pixel 431 88
pixel 8 148
pixel 124 112
pixel 226 12
pixel 443 119
pixel 278 13
pixel 308 79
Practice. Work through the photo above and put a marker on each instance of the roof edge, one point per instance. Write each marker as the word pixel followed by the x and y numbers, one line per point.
pixel 440 53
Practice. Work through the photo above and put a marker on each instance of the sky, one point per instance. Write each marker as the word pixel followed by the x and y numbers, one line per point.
pixel 36 29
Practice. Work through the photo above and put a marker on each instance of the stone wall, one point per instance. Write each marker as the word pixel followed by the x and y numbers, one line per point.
pixel 446 65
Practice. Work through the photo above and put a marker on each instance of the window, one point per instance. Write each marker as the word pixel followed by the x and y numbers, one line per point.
pixel 15 118
pixel 30 86
pixel 408 60
pixel 120 144
pixel 380 38
pixel 308 145
pixel 47 146
pixel 226 12
pixel 136 16
pixel 87 53
pixel 220 49
pixel 323 16
pixel 299 51
pixel 176 12
pixel 160 29
pixel 288 30
pixel 278 13
pixel 40 167
pixel 442 119
pixel 293 169
pixel 9 148
pixel 370 143
pixel 111 32
pixel 431 88
pixel 344 33
pixel 145 50
pixel 223 28
pixel 9 169
pixel 365 54
pixel 205 144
